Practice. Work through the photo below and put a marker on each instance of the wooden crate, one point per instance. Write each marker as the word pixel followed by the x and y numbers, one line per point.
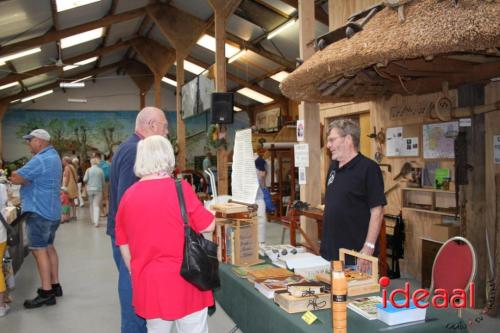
pixel 292 304
pixel 357 287
pixel 237 240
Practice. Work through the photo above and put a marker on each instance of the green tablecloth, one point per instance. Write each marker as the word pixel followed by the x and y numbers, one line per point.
pixel 254 313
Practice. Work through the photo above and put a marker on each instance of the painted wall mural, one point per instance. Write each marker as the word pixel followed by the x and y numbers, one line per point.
pixel 81 132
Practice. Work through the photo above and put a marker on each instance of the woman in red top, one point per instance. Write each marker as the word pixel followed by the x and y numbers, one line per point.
pixel 150 233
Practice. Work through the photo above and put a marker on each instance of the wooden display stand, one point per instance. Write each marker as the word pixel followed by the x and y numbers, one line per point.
pixel 237 241
pixel 355 286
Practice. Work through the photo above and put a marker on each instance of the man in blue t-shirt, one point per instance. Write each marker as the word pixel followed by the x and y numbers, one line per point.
pixel 40 181
pixel 150 121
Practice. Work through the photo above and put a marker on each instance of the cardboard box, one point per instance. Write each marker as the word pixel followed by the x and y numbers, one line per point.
pixel 443 232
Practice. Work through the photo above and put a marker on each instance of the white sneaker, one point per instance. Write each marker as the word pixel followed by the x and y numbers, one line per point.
pixel 4 309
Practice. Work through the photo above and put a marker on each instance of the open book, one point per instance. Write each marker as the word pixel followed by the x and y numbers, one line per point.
pixel 365 306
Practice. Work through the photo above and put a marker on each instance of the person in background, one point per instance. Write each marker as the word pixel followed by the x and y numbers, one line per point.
pixel 41 183
pixel 354 198
pixel 149 121
pixel 69 181
pixel 260 165
pixel 79 180
pixel 4 307
pixel 94 178
pixel 65 205
pixel 105 167
pixel 150 233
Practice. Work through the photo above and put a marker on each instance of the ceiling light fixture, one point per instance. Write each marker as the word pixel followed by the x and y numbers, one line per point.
pixel 280 76
pixel 237 109
pixel 193 68
pixel 72 84
pixel 208 42
pixel 281 28
pixel 63 5
pixel 247 92
pixel 24 53
pixel 82 79
pixel 169 81
pixel 81 38
pixel 9 85
pixel 80 63
pixel 37 95
pixel 14 101
pixel 77 100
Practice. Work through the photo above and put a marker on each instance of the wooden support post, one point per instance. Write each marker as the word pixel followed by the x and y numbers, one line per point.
pixel 476 204
pixel 309 112
pixel 181 129
pixel 142 97
pixel 221 12
pixel 158 78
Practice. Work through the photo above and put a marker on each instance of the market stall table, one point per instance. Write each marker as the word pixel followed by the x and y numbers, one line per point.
pixel 254 313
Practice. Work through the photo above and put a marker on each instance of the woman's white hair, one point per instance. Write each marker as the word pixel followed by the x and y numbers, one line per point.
pixel 95 160
pixel 154 154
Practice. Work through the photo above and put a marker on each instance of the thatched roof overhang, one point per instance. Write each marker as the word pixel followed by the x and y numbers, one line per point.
pixel 438 42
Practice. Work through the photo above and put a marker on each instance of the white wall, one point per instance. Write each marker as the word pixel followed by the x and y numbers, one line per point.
pixel 117 94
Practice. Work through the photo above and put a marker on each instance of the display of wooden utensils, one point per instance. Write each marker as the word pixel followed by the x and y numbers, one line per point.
pixel 339 298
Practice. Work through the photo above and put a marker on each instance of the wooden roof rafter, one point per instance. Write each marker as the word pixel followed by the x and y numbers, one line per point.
pixel 53 85
pixel 53 36
pixel 111 11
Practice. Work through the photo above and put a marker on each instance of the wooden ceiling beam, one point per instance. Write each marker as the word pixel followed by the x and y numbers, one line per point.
pixel 53 36
pixel 319 13
pixel 46 69
pixel 53 85
pixel 181 29
pixel 238 80
pixel 477 73
pixel 111 11
pixel 289 65
pixel 157 57
pixel 142 76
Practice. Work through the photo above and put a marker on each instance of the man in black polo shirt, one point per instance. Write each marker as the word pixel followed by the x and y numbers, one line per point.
pixel 354 195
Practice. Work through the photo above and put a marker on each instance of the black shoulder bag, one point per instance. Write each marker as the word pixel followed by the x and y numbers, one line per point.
pixel 200 266
pixel 12 234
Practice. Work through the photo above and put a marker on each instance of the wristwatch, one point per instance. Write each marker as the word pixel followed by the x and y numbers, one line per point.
pixel 370 245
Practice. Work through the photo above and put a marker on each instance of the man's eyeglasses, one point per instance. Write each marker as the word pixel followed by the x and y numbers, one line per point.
pixel 332 140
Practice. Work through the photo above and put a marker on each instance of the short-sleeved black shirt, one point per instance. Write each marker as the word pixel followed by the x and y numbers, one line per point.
pixel 351 191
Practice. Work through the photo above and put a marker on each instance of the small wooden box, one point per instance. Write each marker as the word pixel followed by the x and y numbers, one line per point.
pixel 357 287
pixel 237 240
pixel 292 304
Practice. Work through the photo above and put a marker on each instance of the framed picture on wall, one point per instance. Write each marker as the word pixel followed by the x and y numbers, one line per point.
pixel 268 120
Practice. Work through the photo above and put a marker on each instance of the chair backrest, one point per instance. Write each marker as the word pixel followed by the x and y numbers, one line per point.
pixel 454 266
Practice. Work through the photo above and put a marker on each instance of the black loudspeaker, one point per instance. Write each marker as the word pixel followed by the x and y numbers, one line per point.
pixel 222 108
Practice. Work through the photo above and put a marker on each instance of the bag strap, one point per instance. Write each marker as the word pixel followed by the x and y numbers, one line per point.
pixel 182 204
pixel 7 226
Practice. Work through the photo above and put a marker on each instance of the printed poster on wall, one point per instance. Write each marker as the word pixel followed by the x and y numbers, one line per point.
pixel 439 140
pixel 301 153
pixel 496 149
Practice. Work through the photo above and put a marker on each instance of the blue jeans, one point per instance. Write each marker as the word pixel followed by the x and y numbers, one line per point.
pixel 130 323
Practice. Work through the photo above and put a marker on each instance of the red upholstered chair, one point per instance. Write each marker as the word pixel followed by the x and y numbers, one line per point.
pixel 454 266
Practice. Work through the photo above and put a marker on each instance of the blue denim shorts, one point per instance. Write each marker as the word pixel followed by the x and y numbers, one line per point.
pixel 41 232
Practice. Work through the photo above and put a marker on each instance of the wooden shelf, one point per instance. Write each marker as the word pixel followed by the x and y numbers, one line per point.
pixel 429 211
pixel 418 189
pixel 433 199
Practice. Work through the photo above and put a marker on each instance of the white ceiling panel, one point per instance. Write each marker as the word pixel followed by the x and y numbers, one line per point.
pixel 34 82
pixel 281 6
pixel 243 29
pixel 87 13
pixel 123 30
pixel 23 19
pixel 113 57
pixel 125 6
pixel 76 50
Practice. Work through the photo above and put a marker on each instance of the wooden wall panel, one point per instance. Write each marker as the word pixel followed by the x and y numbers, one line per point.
pixel 417 224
